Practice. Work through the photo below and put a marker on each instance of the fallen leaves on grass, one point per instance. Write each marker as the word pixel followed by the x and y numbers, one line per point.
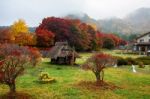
pixel 97 85
pixel 17 95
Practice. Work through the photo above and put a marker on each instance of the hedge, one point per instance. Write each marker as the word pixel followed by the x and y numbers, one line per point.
pixel 144 59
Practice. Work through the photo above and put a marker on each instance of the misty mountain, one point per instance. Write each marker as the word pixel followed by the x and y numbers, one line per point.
pixel 115 25
pixel 136 22
pixel 32 29
pixel 139 20
pixel 4 27
pixel 84 18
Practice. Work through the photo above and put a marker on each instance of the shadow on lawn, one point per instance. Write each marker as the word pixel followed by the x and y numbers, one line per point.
pixel 17 95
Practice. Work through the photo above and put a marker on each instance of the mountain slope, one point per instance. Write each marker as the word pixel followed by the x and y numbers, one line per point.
pixel 136 22
pixel 140 20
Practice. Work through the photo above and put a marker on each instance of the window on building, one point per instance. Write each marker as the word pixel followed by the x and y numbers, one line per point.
pixel 141 40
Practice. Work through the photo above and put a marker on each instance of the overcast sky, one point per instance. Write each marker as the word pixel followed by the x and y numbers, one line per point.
pixel 33 11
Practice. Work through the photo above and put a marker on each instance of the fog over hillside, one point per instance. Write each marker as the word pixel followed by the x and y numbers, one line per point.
pixel 135 22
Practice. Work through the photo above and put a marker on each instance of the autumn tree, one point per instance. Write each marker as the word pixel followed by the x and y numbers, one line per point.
pixel 19 27
pixel 25 39
pixel 6 36
pixel 13 60
pixel 99 39
pixel 88 33
pixel 58 26
pixel 108 43
pixel 97 63
pixel 44 38
pixel 78 34
pixel 115 38
pixel 79 38
pixel 123 42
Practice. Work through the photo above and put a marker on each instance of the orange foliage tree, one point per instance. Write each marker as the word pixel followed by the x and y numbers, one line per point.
pixel 6 36
pixel 25 39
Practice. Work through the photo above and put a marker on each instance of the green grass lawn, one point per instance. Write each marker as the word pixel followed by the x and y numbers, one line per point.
pixel 121 53
pixel 133 85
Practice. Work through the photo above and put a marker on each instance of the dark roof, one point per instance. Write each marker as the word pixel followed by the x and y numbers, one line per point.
pixel 143 43
pixel 142 35
pixel 61 43
pixel 62 49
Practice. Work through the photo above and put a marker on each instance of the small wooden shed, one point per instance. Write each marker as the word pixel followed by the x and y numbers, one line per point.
pixel 62 53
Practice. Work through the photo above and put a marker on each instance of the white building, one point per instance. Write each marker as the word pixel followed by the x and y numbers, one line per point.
pixel 142 44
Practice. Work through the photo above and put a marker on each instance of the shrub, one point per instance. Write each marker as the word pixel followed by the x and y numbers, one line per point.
pixel 131 61
pixel 35 56
pixel 121 61
pixel 137 61
pixel 97 63
pixel 145 60
pixel 126 61
pixel 141 65
pixel 13 61
pixel 129 53
pixel 108 43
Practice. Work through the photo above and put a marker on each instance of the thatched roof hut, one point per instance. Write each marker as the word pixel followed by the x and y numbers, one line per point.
pixel 62 53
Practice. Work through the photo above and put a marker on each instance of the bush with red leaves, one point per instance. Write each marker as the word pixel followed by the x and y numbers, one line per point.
pixel 97 63
pixel 13 61
pixel 35 56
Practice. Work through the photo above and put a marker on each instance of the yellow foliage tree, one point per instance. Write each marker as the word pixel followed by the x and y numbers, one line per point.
pixel 19 27
pixel 25 39
pixel 93 25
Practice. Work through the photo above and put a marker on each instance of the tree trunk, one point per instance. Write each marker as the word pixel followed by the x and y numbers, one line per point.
pixel 102 75
pixel 12 87
pixel 98 76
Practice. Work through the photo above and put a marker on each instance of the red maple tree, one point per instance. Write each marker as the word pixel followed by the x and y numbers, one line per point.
pixel 13 60
pixel 97 62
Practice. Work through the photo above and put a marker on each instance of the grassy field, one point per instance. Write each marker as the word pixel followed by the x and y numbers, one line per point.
pixel 133 85
pixel 121 53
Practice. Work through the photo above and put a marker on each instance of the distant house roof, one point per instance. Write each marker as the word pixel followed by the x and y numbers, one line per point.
pixel 142 43
pixel 62 49
pixel 61 43
pixel 142 35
